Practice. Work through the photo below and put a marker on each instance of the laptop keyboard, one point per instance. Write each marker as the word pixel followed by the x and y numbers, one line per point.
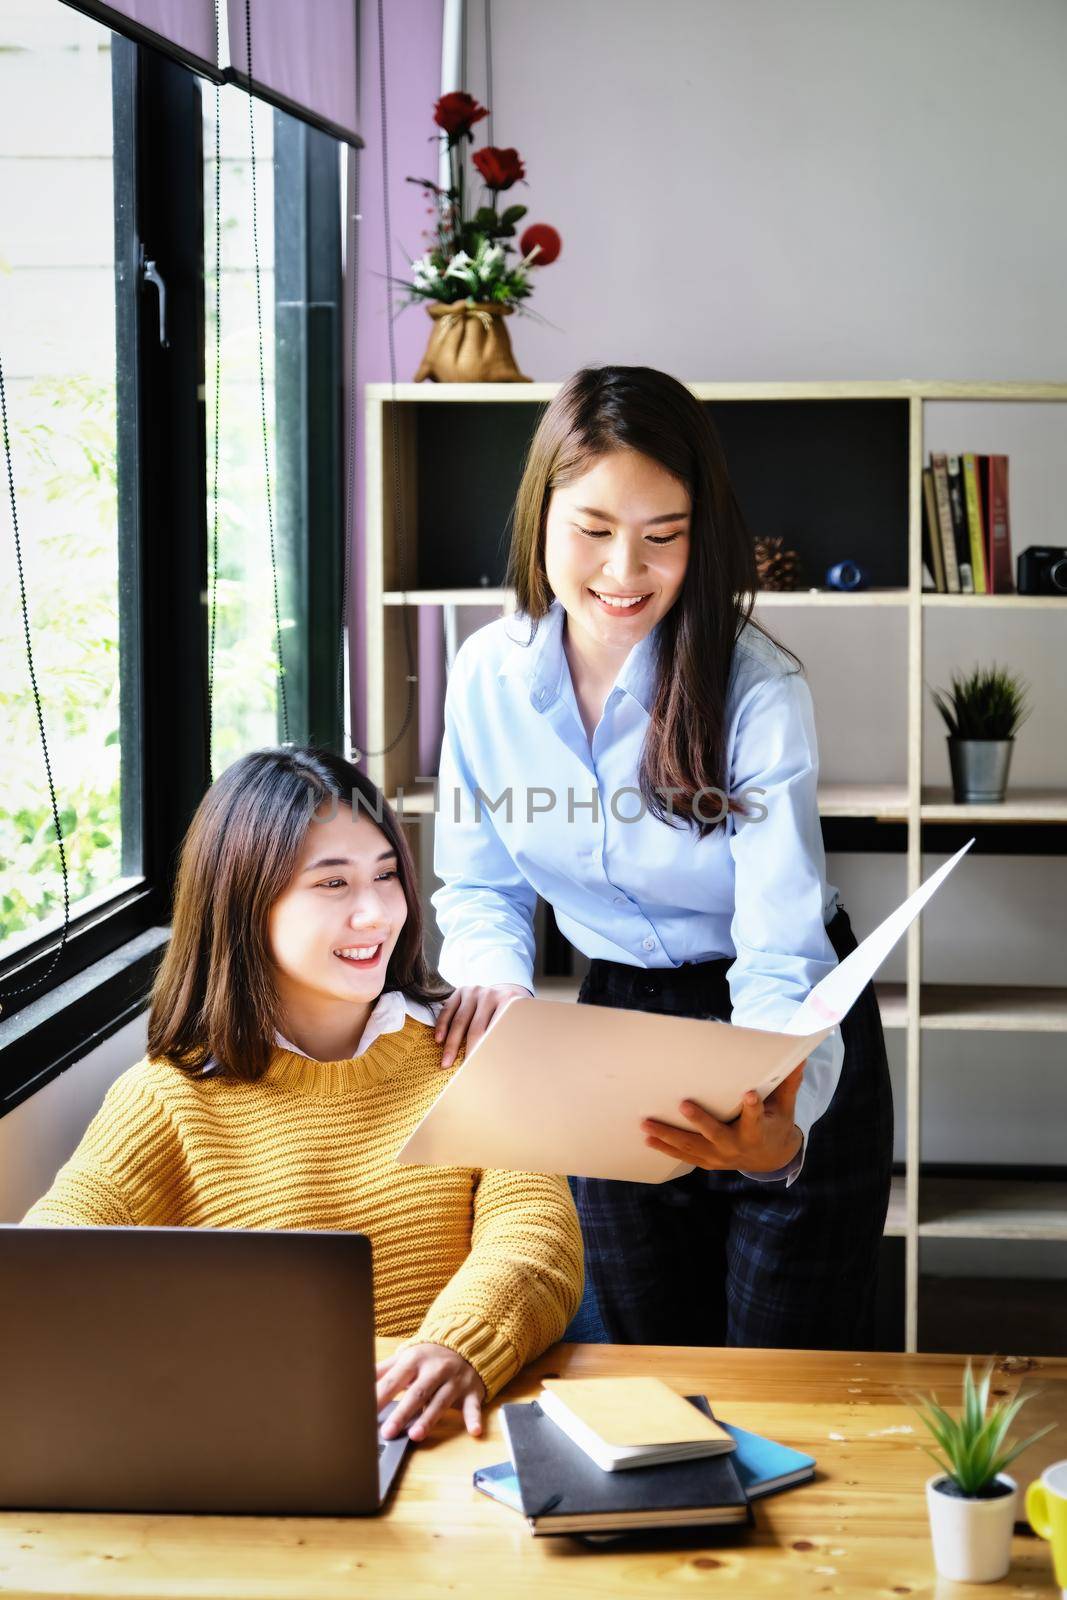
pixel 384 1416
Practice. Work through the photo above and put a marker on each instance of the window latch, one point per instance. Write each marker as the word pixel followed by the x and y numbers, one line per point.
pixel 151 274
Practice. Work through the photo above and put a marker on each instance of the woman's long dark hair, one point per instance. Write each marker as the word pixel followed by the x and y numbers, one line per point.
pixel 214 994
pixel 603 409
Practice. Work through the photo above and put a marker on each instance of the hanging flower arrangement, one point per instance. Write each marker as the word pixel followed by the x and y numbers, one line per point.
pixel 470 258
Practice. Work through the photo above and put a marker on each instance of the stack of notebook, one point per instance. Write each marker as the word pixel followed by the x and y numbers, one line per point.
pixel 614 1455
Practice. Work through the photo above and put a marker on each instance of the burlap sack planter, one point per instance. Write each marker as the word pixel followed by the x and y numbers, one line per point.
pixel 469 344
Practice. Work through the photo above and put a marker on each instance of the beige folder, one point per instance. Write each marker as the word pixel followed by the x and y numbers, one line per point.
pixel 555 1087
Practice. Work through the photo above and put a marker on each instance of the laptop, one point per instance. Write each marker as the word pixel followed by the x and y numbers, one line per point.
pixel 189 1369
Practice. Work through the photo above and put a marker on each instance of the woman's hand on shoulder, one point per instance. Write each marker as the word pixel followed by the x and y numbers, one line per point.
pixel 467 1013
pixel 435 1379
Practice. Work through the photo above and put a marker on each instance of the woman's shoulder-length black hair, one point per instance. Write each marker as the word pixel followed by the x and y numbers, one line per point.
pixel 214 994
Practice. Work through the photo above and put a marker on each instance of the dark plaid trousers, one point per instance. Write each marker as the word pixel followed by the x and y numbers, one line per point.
pixel 715 1258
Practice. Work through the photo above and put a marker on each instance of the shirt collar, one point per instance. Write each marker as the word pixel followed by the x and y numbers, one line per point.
pixel 390 1012
pixel 638 674
pixel 541 663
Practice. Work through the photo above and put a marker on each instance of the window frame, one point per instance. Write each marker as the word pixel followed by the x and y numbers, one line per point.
pixel 113 949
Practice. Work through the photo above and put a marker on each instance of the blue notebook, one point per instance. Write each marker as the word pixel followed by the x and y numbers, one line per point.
pixel 500 1483
pixel 765 1466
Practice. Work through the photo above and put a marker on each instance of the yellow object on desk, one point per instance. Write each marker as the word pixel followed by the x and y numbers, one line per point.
pixel 1046 1507
pixel 859 1529
pixel 633 1411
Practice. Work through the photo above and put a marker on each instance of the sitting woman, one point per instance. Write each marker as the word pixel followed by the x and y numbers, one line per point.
pixel 291 1052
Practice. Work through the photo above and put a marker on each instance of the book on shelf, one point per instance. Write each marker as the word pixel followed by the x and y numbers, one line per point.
pixel 933 555
pixel 975 530
pixel 960 534
pixel 563 1491
pixel 966 523
pixel 998 529
pixel 939 468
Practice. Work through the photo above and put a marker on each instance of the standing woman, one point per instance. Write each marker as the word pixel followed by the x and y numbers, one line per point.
pixel 635 749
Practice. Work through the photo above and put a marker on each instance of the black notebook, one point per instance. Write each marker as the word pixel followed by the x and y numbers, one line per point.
pixel 563 1491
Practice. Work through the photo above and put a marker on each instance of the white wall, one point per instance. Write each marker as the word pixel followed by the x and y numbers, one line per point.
pixel 764 189
pixel 39 1135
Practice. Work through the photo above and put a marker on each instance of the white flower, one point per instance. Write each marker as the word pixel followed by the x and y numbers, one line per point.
pixel 490 257
pixel 459 266
pixel 424 274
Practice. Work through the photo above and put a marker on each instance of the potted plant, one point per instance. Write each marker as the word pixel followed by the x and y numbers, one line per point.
pixel 971 1500
pixel 983 713
pixel 467 276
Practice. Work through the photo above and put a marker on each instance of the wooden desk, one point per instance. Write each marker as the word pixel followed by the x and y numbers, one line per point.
pixel 859 1529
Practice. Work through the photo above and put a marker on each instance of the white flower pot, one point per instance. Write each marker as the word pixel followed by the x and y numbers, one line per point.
pixel 972 1538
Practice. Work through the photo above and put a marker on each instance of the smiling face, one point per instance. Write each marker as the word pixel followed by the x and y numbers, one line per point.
pixel 617 547
pixel 333 929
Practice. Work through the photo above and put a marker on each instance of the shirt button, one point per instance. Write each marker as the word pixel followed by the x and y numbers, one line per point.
pixel 619 900
pixel 540 694
pixel 650 943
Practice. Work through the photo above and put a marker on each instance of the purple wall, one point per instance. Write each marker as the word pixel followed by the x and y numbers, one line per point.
pixel 412 35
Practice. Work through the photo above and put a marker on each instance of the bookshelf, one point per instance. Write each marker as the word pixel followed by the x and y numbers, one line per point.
pixel 427 444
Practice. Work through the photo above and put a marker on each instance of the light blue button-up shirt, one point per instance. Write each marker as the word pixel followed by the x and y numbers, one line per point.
pixel 528 805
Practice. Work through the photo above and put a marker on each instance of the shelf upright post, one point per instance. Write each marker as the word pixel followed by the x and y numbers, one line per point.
pixel 913 1034
pixel 374 578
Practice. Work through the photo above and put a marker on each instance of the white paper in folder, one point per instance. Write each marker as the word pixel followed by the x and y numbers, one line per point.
pixel 555 1087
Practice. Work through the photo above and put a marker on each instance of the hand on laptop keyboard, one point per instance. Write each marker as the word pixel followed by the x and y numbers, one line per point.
pixel 433 1379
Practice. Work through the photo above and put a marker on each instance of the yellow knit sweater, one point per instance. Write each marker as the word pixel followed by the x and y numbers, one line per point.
pixel 487 1263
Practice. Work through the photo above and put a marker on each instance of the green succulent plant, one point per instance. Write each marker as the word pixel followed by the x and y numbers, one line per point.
pixel 974 1446
pixel 989 703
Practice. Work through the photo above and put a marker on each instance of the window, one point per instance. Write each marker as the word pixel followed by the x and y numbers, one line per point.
pixel 107 157
pixel 57 316
pixel 297 228
pixel 245 711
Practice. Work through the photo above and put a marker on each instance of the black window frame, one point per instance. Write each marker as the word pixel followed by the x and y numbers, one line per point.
pixel 112 951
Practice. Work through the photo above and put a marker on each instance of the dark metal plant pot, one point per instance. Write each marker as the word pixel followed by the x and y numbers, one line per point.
pixel 979 769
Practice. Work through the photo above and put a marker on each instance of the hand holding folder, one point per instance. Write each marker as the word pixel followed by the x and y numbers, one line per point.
pixel 555 1087
pixel 763 1137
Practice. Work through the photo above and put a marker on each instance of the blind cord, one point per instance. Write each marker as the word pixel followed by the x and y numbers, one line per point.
pixel 352 265
pixel 57 954
pixel 282 698
pixel 218 385
pixel 398 507
pixel 489 66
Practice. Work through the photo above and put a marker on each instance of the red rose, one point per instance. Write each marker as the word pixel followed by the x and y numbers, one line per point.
pixel 457 113
pixel 539 233
pixel 499 168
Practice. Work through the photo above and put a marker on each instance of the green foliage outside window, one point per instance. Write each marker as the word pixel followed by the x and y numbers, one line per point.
pixel 66 448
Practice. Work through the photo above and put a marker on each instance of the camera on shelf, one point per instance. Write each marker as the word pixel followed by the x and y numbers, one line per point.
pixel 1042 569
